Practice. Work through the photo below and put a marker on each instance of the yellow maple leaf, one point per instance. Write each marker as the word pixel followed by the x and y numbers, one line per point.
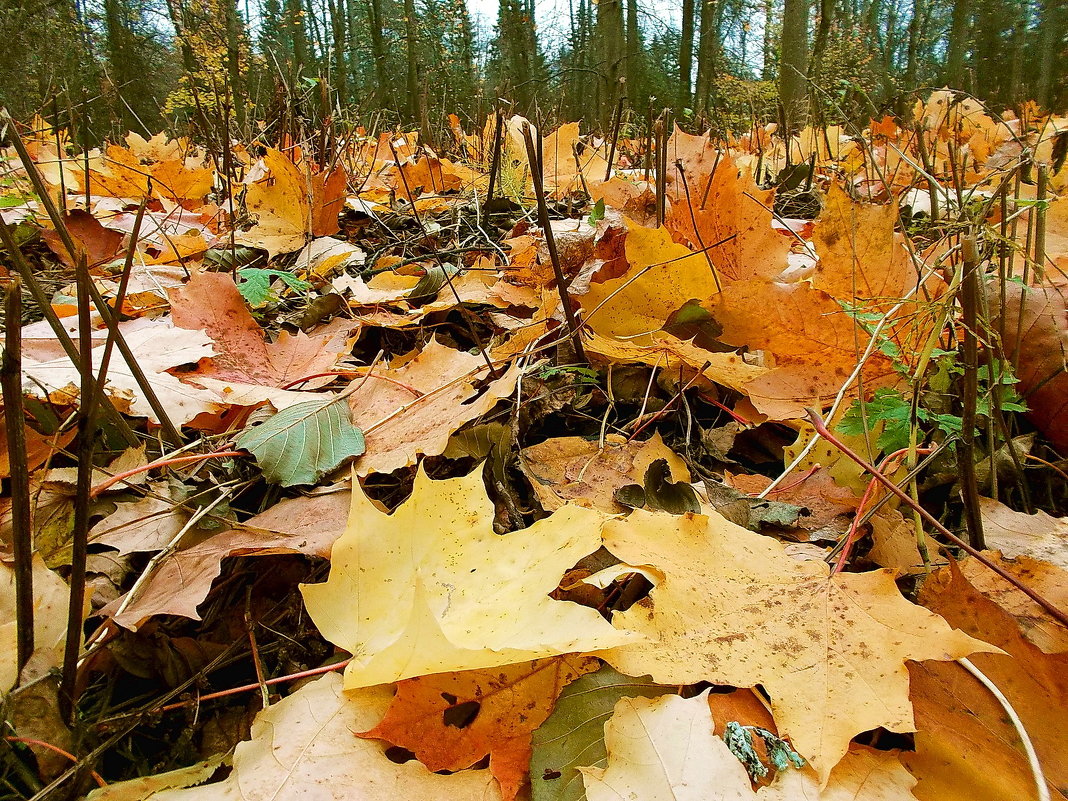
pixel 733 608
pixel 431 588
pixel 662 277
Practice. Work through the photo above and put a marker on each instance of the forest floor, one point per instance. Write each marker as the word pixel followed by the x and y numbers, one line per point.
pixel 670 468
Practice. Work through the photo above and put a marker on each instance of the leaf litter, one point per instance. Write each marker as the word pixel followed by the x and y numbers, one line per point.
pixel 544 570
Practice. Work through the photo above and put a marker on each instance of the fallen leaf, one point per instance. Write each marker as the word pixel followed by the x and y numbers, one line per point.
pixel 307 525
pixel 573 735
pixel 97 244
pixel 864 774
pixel 566 469
pixel 146 524
pixel 50 599
pixel 1039 536
pixel 158 347
pixel 303 747
pixel 212 302
pixel 815 345
pixel 661 278
pixel 663 749
pixel 492 711
pixel 1033 325
pixel 39 447
pixel 412 407
pixel 727 213
pixel 1036 624
pixel 447 593
pixel 862 258
pixel 734 608
pixel 303 442
pixel 966 748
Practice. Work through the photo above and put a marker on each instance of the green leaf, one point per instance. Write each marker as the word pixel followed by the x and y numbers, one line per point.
pixel 255 284
pixel 299 445
pixel 889 407
pixel 597 213
pixel 573 735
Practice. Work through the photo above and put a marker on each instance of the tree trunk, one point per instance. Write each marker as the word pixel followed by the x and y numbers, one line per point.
pixel 635 58
pixel 414 104
pixel 706 46
pixel 686 56
pixel 378 53
pixel 768 71
pixel 960 23
pixel 793 63
pixel 612 56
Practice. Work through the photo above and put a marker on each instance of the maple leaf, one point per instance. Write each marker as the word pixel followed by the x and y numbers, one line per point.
pixel 212 302
pixel 291 204
pixel 412 407
pixel 431 588
pixel 452 720
pixel 861 256
pixel 1039 536
pixel 726 212
pixel 566 469
pixel 734 608
pixel 1036 624
pixel 966 748
pixel 306 524
pixel 815 345
pixel 303 747
pixel 662 277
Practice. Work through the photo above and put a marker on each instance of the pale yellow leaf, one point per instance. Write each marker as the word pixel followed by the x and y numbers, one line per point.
pixel 305 747
pixel 431 588
pixel 664 749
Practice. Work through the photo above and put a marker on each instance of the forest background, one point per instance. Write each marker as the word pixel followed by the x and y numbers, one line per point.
pixel 266 68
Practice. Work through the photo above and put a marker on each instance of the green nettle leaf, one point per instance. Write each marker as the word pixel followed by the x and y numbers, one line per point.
pixel 888 406
pixel 597 213
pixel 255 284
pixel 302 443
pixel 573 735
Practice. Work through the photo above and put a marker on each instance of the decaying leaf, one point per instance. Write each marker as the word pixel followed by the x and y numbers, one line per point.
pixel 966 748
pixel 664 749
pixel 452 720
pixel 1039 536
pixel 430 588
pixel 573 735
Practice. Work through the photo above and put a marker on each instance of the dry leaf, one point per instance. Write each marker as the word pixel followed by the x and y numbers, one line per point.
pixel 50 598
pixel 303 747
pixel 412 409
pixel 864 774
pixel 1034 334
pixel 567 469
pixel 452 720
pixel 1036 624
pixel 212 302
pixel 663 749
pixel 662 277
pixel 306 525
pixel 431 588
pixel 146 524
pixel 734 608
pixel 862 259
pixel 158 347
pixel 1039 536
pixel 966 749
pixel 814 343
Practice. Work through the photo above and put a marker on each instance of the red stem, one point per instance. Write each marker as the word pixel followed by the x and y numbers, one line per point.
pixel 248 687
pixel 57 750
pixel 196 457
